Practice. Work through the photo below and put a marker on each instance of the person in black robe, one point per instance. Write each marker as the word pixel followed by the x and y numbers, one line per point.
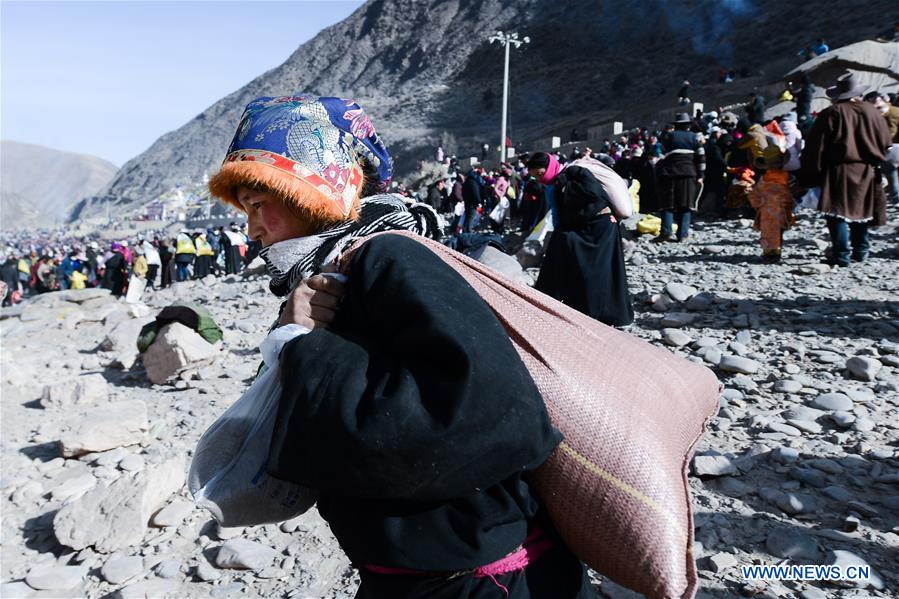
pixel 166 253
pixel 471 195
pixel 116 275
pixel 421 438
pixel 584 262
pixel 645 173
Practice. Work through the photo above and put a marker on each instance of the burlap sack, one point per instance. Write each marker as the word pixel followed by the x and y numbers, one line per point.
pixel 631 413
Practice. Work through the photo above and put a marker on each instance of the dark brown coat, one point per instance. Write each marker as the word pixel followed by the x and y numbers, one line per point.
pixel 847 140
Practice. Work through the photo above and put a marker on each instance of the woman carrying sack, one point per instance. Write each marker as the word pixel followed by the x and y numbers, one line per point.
pixel 584 263
pixel 404 404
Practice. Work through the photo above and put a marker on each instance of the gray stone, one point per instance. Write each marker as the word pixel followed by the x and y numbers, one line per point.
pixel 176 347
pixel 721 561
pixel 677 319
pixel 113 517
pixel 738 348
pixel 826 357
pixel 705 342
pixel 225 532
pixel 74 487
pixel 679 292
pixel 245 554
pixel 712 465
pixel 675 337
pixel 732 394
pixel 744 337
pixel 832 401
pixel 206 572
pixel 662 304
pixel 844 559
pixel 825 465
pixel 862 508
pixel 812 593
pixel 859 395
pixel 802 413
pixel 792 503
pixel 864 425
pixel 807 426
pixel 59 394
pixel 738 364
pixel 837 493
pixel 785 455
pixel 104 427
pixel 501 262
pixel 740 321
pixel 710 354
pixel 733 487
pixel 787 386
pixel 699 302
pixel 55 578
pixel 843 419
pixel 792 544
pixel 863 368
pixel 122 340
pixel 132 463
pixel 780 427
pixel 811 477
pixel 792 369
pixel 122 569
pixel 741 381
pixel 851 524
pixel 170 568
pixel 174 513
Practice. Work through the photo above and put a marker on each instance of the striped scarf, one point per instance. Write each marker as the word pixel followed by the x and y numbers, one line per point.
pixel 290 261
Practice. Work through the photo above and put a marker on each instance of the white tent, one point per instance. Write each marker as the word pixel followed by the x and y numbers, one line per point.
pixel 875 64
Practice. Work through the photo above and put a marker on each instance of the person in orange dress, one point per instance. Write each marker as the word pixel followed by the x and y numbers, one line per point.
pixel 773 203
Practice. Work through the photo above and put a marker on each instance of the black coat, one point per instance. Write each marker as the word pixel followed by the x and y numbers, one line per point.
pixel 414 417
pixel 116 274
pixel 584 262
pixel 471 192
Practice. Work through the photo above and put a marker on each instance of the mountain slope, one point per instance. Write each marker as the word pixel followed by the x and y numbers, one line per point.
pixel 39 185
pixel 424 70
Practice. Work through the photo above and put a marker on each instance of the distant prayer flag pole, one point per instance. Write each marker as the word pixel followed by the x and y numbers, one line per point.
pixel 506 39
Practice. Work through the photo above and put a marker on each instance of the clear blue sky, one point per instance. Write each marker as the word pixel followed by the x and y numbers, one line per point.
pixel 109 78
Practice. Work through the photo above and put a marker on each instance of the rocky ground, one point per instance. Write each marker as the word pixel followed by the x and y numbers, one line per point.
pixel 800 465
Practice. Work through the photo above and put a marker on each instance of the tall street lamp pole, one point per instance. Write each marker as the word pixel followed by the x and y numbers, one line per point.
pixel 506 39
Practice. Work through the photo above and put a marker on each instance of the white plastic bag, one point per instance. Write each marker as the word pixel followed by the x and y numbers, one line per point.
pixel 136 286
pixel 228 472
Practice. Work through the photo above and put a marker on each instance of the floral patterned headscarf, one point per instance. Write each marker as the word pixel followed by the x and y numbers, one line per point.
pixel 321 141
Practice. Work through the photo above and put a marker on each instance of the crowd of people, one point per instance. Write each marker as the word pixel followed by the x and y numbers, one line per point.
pixel 40 262
pixel 719 163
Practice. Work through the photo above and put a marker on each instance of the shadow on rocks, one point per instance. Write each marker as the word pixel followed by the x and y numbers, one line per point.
pixel 38 534
pixel 870 319
pixel 42 451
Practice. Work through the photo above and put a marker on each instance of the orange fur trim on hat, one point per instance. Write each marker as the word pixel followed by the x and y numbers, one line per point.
pixel 292 189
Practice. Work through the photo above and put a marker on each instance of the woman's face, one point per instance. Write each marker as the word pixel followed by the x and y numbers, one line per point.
pixel 268 219
pixel 537 173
